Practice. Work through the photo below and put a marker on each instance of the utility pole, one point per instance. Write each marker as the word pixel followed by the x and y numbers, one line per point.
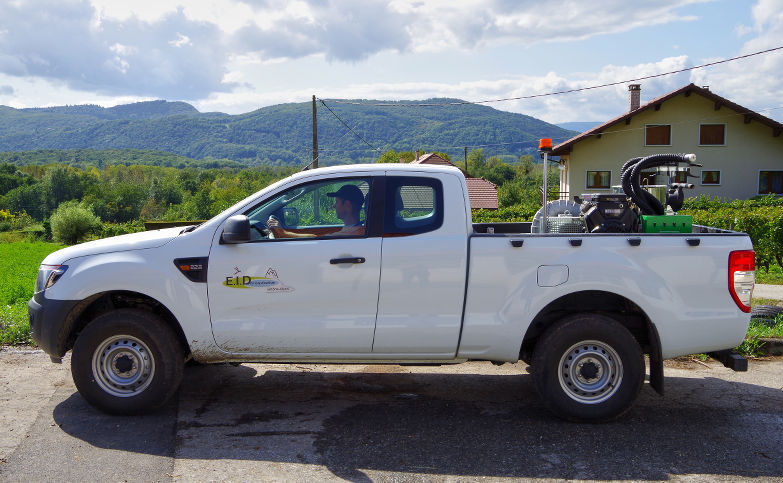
pixel 315 136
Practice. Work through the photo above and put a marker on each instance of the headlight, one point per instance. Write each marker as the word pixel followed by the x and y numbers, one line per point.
pixel 48 275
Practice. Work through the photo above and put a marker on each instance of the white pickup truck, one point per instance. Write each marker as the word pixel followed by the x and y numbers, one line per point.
pixel 382 264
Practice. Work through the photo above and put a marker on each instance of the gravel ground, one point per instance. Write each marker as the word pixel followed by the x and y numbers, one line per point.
pixel 274 422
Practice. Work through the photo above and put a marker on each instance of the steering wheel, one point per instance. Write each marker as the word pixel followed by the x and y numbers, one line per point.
pixel 262 229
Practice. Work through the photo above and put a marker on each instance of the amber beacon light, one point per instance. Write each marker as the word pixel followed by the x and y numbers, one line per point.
pixel 544 144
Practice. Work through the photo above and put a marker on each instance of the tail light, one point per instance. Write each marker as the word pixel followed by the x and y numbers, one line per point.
pixel 742 277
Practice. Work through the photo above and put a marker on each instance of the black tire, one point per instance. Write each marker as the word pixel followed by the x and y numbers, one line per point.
pixel 127 361
pixel 588 368
pixel 766 313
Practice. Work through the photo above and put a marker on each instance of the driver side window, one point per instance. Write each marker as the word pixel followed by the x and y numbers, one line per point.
pixel 324 209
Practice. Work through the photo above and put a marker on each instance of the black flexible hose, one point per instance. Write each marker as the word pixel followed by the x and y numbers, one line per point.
pixel 625 177
pixel 647 203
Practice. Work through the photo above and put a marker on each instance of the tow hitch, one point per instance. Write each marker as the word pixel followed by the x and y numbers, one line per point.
pixel 731 359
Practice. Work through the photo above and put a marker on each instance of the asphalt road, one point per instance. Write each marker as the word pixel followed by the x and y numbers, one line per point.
pixel 388 423
pixel 764 291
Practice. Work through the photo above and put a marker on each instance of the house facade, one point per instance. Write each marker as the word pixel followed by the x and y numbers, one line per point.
pixel 741 151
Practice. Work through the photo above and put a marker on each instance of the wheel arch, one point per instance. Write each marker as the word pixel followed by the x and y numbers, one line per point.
pixel 619 308
pixel 88 309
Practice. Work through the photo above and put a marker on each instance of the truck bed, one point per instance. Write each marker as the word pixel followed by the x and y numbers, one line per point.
pixel 678 280
pixel 524 228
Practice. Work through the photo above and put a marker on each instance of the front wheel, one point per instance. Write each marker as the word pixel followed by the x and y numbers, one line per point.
pixel 588 368
pixel 127 361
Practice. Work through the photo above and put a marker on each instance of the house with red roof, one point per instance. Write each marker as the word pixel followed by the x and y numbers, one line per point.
pixel 741 151
pixel 483 193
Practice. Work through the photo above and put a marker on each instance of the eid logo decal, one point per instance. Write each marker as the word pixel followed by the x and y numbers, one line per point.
pixel 270 282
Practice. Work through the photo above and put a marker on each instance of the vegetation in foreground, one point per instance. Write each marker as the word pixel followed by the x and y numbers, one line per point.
pixel 18 268
pixel 752 346
pixel 773 277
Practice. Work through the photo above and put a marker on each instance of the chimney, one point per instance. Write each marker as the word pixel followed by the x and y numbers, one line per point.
pixel 635 91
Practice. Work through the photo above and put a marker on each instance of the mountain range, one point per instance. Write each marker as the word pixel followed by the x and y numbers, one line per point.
pixel 348 131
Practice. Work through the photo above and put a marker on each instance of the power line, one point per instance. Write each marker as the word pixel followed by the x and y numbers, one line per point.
pixel 349 127
pixel 567 91
pixel 557 139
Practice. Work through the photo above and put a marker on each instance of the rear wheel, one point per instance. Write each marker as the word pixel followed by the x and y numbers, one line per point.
pixel 127 361
pixel 588 368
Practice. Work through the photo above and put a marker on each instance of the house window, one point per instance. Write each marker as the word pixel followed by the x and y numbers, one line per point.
pixel 712 134
pixel 658 135
pixel 599 180
pixel 770 182
pixel 710 177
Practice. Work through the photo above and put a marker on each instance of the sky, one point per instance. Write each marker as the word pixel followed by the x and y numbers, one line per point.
pixel 236 56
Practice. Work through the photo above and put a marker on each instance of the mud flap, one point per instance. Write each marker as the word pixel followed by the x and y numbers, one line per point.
pixel 656 359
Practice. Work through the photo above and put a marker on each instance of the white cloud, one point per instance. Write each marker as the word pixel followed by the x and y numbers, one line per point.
pixel 593 105
pixel 61 41
pixel 139 47
pixel 754 82
pixel 216 53
pixel 447 24
pixel 742 30
pixel 37 92
pixel 180 41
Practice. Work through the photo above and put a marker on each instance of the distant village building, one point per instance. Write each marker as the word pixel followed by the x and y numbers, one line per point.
pixel 741 151
pixel 483 193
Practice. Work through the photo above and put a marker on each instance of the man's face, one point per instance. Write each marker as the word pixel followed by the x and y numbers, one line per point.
pixel 342 207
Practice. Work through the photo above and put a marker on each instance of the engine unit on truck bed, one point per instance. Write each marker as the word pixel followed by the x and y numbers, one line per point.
pixel 609 213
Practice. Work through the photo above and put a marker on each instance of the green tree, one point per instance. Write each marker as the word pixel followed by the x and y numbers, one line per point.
pixel 389 156
pixel 526 165
pixel 28 198
pixel 7 168
pixel 62 184
pixel 71 222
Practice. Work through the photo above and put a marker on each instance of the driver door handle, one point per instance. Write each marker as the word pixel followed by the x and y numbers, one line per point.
pixel 335 261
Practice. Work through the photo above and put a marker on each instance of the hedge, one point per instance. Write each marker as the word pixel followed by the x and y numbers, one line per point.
pixel 761 218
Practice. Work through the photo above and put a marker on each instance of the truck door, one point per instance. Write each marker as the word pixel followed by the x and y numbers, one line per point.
pixel 312 288
pixel 424 267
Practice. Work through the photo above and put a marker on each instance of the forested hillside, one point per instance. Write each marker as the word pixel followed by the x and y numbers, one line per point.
pixel 84 158
pixel 277 135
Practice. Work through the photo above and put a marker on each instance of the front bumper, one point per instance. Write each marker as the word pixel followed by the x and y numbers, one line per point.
pixel 48 318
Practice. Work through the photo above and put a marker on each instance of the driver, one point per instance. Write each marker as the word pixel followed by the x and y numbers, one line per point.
pixel 348 201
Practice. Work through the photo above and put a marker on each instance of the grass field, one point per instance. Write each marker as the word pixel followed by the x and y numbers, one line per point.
pixel 773 277
pixel 18 268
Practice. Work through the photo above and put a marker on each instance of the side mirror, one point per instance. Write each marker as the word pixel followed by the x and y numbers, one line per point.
pixel 236 230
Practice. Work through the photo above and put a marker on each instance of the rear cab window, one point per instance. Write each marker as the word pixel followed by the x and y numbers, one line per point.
pixel 413 205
